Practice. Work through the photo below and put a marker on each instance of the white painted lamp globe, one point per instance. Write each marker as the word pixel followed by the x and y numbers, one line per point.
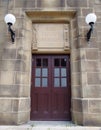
pixel 91 18
pixel 10 18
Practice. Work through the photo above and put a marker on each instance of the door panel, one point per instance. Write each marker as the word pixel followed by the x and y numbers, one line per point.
pixel 50 91
pixel 40 91
pixel 60 88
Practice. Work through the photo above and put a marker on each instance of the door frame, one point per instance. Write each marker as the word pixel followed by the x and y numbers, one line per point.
pixel 67 16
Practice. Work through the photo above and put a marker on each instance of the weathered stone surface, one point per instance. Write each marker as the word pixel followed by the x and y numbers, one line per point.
pixel 75 43
pixel 76 66
pixel 93 78
pixel 84 44
pixel 20 65
pixel 92 54
pixel 25 3
pixel 91 3
pixel 77 3
pixel 15 60
pixel 9 90
pixel 95 106
pixel 99 36
pixel 86 11
pixel 75 56
pixel 92 66
pixel 85 105
pixel 27 40
pixel 19 22
pixel 7 77
pixel 52 4
pixel 7 65
pixel 77 117
pixel 3 3
pixel 93 119
pixel 6 105
pixel 92 91
pixel 97 1
pixel 21 105
pixel 19 44
pixel 76 79
pixel 22 78
pixel 24 91
pixel 8 118
pixel 76 92
pixel 77 105
pixel 23 117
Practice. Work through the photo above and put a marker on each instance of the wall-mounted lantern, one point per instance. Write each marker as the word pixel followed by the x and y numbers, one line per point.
pixel 90 19
pixel 10 20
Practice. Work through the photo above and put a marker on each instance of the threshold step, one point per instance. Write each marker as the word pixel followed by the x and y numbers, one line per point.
pixel 48 128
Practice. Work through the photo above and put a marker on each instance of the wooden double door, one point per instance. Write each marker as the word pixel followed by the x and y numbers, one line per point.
pixel 50 90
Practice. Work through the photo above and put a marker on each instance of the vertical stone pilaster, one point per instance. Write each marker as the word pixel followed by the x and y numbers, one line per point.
pixel 76 86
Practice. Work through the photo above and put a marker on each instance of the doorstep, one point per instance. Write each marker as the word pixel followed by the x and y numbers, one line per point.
pixel 49 125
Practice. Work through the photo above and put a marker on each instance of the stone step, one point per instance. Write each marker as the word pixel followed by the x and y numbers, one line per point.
pixel 49 125
pixel 48 128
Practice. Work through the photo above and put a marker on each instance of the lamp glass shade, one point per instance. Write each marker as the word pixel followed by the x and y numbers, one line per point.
pixel 10 18
pixel 91 18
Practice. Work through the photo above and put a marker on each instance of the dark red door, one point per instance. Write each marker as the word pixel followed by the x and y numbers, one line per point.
pixel 50 91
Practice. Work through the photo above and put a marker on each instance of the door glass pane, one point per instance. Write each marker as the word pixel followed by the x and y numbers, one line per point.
pixel 63 72
pixel 37 82
pixel 63 82
pixel 45 62
pixel 38 62
pixel 45 72
pixel 38 72
pixel 57 62
pixel 63 62
pixel 44 82
pixel 56 72
pixel 56 82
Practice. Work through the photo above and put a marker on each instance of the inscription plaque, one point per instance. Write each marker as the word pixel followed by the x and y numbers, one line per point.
pixel 50 37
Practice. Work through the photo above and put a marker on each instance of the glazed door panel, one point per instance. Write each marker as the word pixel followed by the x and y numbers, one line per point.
pixel 60 88
pixel 50 91
pixel 40 91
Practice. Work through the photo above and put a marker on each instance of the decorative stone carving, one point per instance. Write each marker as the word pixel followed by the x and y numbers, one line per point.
pixel 34 37
pixel 66 36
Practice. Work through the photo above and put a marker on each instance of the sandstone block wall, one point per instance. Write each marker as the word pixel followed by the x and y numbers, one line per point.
pixel 15 60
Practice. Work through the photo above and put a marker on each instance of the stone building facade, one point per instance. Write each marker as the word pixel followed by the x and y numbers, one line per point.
pixel 16 59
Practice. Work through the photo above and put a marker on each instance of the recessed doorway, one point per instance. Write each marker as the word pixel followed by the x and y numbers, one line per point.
pixel 50 90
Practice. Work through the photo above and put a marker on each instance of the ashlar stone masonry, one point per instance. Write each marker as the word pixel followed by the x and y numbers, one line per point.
pixel 15 59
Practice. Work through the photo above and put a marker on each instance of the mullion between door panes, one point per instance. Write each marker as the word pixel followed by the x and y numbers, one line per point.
pixel 57 77
pixel 63 77
pixel 57 72
pixel 44 77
